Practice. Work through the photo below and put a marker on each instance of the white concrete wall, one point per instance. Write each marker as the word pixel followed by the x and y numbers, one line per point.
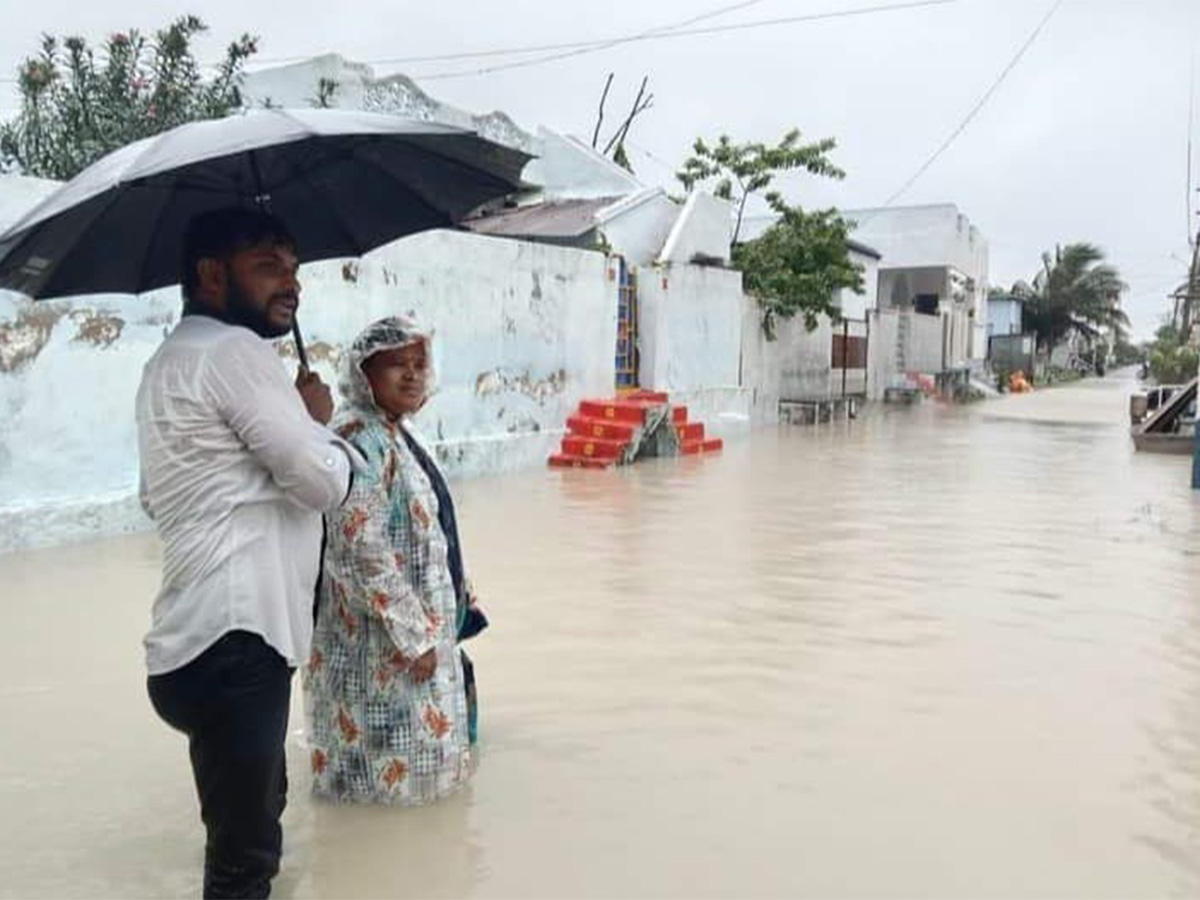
pixel 794 366
pixel 637 226
pixel 703 229
pixel 923 350
pixel 957 338
pixel 690 342
pixel 523 332
pixel 904 345
pixel 883 360
pixel 690 327
pixel 68 375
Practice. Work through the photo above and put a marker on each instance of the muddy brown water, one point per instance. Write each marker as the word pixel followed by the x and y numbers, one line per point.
pixel 931 653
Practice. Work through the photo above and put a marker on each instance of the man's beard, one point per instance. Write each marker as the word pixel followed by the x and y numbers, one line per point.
pixel 243 311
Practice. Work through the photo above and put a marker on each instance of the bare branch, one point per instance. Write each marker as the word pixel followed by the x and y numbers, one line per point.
pixel 620 133
pixel 647 104
pixel 600 112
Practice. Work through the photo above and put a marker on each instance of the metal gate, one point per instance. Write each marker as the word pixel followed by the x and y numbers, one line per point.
pixel 849 363
pixel 627 329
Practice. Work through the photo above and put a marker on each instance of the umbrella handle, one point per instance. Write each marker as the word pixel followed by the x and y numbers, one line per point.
pixel 298 338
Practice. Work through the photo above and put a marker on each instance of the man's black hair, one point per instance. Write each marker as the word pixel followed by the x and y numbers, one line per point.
pixel 221 233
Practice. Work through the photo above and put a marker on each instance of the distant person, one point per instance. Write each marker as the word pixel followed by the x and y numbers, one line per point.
pixel 390 697
pixel 1018 384
pixel 237 467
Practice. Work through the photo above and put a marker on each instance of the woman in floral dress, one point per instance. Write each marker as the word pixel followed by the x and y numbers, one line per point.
pixel 386 686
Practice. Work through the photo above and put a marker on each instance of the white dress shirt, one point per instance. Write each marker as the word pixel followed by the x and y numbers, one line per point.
pixel 235 474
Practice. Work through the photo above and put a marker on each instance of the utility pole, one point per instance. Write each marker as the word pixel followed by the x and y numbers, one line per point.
pixel 1192 302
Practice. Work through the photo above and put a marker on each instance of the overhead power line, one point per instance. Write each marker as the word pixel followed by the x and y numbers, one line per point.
pixel 500 51
pixel 679 32
pixel 579 48
pixel 592 44
pixel 660 31
pixel 504 51
pixel 979 105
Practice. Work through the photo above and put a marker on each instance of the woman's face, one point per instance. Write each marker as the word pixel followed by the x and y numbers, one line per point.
pixel 397 378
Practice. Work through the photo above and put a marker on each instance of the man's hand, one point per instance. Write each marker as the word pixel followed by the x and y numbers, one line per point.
pixel 422 670
pixel 316 396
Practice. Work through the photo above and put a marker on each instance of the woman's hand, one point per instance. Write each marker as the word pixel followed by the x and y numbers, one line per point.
pixel 424 667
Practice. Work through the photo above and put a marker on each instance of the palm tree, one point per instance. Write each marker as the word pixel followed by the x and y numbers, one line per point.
pixel 1075 292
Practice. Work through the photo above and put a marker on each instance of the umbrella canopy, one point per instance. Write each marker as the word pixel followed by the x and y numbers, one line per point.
pixel 344 182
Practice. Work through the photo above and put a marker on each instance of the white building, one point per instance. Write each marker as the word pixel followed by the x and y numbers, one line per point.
pixel 935 262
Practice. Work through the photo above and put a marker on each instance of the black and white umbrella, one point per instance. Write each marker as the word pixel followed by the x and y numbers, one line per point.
pixel 344 182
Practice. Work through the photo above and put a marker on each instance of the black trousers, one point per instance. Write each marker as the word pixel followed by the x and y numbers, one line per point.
pixel 232 703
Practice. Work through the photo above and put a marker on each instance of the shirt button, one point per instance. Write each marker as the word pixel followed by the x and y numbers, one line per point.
pixel 329 462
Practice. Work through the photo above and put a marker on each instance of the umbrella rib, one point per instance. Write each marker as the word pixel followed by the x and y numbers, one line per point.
pixel 416 141
pixel 335 213
pixel 110 202
pixel 379 166
pixel 413 142
pixel 302 174
pixel 162 213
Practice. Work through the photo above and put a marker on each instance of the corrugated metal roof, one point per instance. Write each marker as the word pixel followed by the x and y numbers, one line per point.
pixel 560 219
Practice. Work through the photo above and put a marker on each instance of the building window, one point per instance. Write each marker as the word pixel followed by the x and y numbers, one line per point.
pixel 926 304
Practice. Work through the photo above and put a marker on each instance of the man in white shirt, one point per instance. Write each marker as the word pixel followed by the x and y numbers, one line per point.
pixel 237 467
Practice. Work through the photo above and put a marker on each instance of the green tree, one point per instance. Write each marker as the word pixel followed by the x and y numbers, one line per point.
pixel 1170 359
pixel 1075 292
pixel 741 170
pixel 798 265
pixel 76 107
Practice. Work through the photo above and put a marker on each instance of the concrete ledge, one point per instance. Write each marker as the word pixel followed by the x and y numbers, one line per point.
pixel 69 522
pixel 495 455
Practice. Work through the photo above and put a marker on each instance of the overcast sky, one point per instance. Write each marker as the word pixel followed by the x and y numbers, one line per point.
pixel 1085 140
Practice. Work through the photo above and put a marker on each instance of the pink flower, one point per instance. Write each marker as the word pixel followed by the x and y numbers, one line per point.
pixel 38 74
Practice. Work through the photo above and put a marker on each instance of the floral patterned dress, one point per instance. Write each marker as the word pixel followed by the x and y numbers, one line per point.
pixel 386 598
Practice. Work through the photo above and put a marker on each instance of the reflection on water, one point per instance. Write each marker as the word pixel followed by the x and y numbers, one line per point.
pixel 935 652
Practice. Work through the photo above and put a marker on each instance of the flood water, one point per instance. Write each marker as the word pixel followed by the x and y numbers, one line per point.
pixel 931 653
